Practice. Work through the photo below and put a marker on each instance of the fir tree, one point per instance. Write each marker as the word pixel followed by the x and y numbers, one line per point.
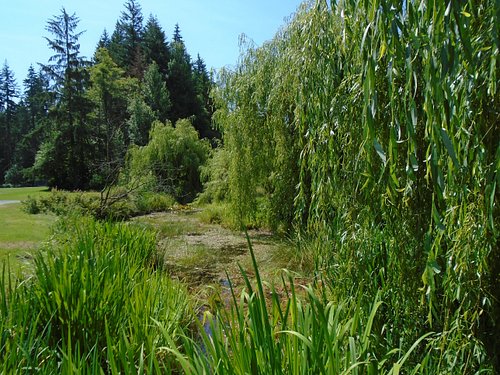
pixel 8 92
pixel 104 40
pixel 155 45
pixel 108 93
pixel 31 120
pixel 177 34
pixel 64 158
pixel 203 85
pixel 126 41
pixel 116 46
pixel 36 96
pixel 180 80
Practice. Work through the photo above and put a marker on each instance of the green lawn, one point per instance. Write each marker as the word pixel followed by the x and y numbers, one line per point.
pixel 21 233
pixel 19 194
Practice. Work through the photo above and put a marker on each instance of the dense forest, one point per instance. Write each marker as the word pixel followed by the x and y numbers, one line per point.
pixel 365 130
pixel 73 122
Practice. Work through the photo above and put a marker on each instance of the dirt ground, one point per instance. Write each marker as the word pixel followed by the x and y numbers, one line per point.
pixel 208 255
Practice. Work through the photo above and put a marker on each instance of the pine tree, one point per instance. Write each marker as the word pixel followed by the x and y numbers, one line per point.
pixel 8 92
pixel 180 80
pixel 63 160
pixel 126 41
pixel 155 45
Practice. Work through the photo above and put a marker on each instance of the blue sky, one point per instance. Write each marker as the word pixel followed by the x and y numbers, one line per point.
pixel 209 27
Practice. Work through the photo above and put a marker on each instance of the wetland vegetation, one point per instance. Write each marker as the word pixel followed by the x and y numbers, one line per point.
pixel 330 205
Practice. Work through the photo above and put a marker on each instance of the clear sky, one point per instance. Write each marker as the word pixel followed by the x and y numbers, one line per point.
pixel 208 27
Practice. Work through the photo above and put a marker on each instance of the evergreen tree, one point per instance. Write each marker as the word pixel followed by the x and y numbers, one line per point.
pixel 155 45
pixel 140 121
pixel 36 96
pixel 104 41
pixel 2 99
pixel 116 46
pixel 177 34
pixel 203 85
pixel 126 41
pixel 31 119
pixel 131 20
pixel 180 80
pixel 63 158
pixel 8 92
pixel 156 93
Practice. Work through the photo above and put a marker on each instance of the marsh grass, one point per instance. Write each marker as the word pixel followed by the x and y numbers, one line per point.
pixel 302 333
pixel 90 304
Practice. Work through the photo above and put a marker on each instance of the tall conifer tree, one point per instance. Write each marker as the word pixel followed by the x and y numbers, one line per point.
pixel 62 159
pixel 126 42
pixel 155 45
pixel 180 80
pixel 8 92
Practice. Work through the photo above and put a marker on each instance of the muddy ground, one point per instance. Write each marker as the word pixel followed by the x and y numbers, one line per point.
pixel 202 254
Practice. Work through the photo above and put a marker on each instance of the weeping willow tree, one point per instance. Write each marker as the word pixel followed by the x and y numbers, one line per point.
pixel 374 125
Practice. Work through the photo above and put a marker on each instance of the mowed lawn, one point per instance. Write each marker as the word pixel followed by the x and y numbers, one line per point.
pixel 21 233
pixel 19 194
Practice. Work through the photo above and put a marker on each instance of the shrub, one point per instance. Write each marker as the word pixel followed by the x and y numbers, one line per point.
pixel 117 203
pixel 154 202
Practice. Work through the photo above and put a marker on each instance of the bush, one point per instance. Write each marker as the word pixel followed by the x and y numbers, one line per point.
pixel 117 204
pixel 154 202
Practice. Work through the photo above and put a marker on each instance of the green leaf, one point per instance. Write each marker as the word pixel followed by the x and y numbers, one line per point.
pixel 449 147
pixel 380 151
pixel 437 217
pixel 413 161
pixel 435 266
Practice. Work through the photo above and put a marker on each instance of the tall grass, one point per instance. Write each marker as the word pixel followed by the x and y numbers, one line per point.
pixel 90 304
pixel 300 332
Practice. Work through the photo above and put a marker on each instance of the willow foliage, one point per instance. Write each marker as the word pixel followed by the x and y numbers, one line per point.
pixel 375 123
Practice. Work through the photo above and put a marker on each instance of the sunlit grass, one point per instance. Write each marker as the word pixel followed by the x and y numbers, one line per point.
pixel 21 233
pixel 20 194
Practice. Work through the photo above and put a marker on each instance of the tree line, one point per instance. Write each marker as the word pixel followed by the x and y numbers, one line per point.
pixel 74 119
